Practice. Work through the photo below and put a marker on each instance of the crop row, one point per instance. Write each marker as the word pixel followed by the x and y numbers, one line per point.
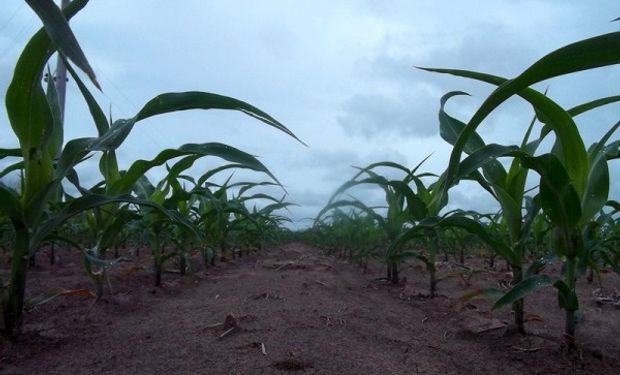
pixel 180 210
pixel 567 215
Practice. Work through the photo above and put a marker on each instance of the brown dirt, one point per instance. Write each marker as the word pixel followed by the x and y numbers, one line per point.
pixel 293 309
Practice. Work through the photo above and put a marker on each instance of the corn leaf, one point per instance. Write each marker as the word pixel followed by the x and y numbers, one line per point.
pixel 532 209
pixel 28 109
pixel 522 289
pixel 11 204
pixel 25 101
pixel 597 188
pixel 60 32
pixel 568 138
pixel 582 108
pixel 559 199
pixel 475 228
pixel 486 157
pixel 99 117
pixel 451 128
pixel 351 203
pixel 511 212
pixel 170 102
pixel 10 152
pixel 88 202
pixel 12 168
pixel 567 299
pixel 228 153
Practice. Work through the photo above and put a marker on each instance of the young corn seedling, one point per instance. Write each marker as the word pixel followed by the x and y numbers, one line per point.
pixel 403 206
pixel 259 225
pixel 606 244
pixel 507 187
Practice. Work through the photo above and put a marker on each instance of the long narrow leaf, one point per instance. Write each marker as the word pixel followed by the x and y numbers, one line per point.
pixel 522 289
pixel 170 102
pixel 61 34
pixel 220 150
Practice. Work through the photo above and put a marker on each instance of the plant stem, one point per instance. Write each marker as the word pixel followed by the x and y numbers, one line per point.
pixel 433 285
pixel 157 255
pixel 569 327
pixel 182 263
pixel 394 266
pixel 517 306
pixel 13 300
pixel 52 253
pixel 434 244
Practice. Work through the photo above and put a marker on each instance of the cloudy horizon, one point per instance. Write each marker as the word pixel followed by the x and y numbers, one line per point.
pixel 340 75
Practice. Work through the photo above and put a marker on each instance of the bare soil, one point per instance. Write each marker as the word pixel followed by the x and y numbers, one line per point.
pixel 294 309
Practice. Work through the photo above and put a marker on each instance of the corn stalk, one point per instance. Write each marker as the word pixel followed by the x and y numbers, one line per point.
pixel 574 182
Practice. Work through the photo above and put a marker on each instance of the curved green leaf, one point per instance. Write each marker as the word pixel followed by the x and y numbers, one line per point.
pixel 12 168
pixel 61 34
pixel 352 203
pixel 549 112
pixel 170 102
pixel 475 228
pixel 559 199
pixel 597 189
pixel 88 202
pixel 25 100
pixel 522 289
pixel 99 117
pixel 11 205
pixel 567 299
pixel 582 108
pixel 486 157
pixel 451 128
pixel 138 168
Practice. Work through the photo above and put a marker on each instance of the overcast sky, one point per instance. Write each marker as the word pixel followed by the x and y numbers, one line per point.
pixel 339 74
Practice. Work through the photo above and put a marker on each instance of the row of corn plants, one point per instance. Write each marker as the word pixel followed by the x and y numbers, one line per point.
pixel 567 216
pixel 39 207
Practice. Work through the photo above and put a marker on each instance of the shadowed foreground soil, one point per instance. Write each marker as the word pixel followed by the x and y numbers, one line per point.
pixel 293 309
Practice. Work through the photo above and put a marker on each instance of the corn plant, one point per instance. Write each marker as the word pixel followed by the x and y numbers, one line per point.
pixel 403 206
pixel 574 181
pixel 182 201
pixel 354 235
pixel 457 242
pixel 170 194
pixel 259 225
pixel 38 132
pixel 601 241
pixel 46 162
pixel 507 187
pixel 214 212
pixel 419 218
pixel 336 232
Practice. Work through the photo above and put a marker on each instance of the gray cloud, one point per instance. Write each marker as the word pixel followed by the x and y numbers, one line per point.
pixel 471 197
pixel 339 74
pixel 375 115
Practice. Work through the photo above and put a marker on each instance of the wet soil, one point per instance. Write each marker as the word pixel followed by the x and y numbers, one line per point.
pixel 293 309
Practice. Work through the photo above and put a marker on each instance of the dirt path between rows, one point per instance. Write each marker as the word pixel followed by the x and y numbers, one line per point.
pixel 293 309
